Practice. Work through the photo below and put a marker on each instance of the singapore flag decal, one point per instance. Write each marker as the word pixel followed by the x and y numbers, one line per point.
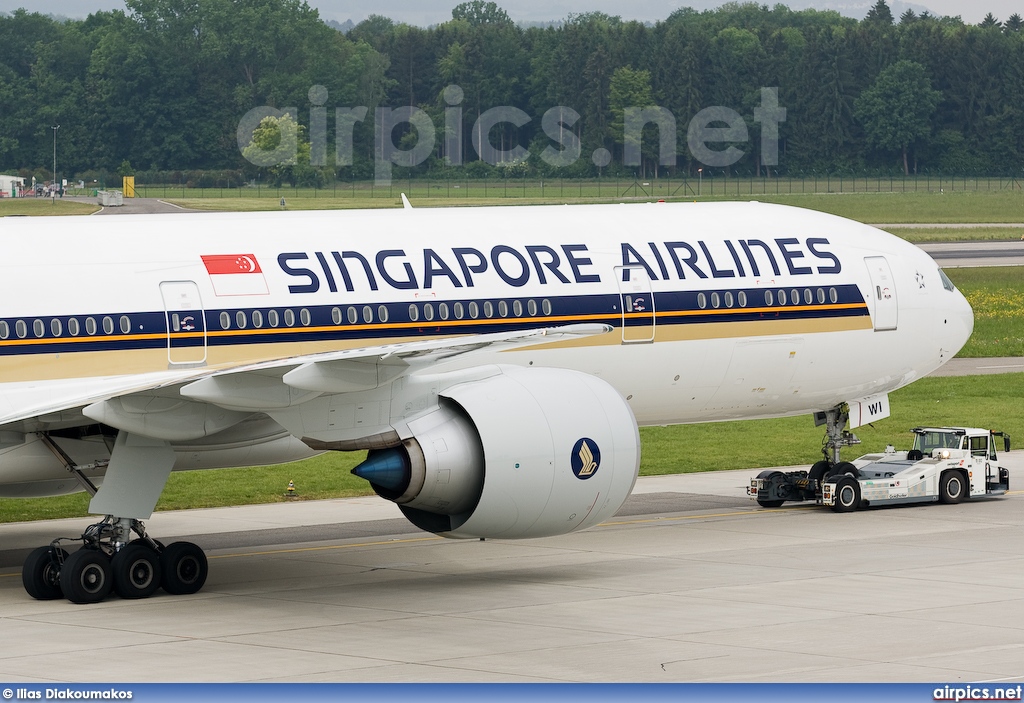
pixel 235 274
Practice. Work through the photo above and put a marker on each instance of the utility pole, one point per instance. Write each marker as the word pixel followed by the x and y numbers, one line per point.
pixel 55 128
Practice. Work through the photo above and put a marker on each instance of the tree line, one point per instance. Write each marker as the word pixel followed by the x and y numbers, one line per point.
pixel 160 89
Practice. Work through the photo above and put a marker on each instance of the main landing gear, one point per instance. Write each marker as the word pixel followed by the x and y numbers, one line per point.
pixel 109 560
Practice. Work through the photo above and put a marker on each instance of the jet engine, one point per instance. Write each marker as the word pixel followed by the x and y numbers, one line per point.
pixel 524 453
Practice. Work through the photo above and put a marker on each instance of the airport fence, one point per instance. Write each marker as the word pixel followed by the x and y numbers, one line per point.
pixel 596 188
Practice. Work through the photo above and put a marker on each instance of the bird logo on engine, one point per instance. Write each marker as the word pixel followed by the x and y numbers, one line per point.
pixel 585 458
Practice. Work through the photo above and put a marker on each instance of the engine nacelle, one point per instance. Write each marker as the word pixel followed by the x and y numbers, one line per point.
pixel 524 453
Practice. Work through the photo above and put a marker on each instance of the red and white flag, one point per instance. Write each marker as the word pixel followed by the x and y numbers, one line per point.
pixel 235 274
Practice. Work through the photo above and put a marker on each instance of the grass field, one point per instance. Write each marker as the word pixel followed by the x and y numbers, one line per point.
pixel 997 296
pixel 608 187
pixel 889 208
pixel 976 401
pixel 920 235
pixel 44 206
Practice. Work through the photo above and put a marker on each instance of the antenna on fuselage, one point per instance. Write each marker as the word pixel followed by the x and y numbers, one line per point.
pixel 406 205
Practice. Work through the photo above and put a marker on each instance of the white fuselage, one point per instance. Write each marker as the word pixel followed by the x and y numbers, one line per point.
pixel 717 311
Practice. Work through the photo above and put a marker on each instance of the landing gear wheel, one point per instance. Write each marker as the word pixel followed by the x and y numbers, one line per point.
pixel 86 576
pixel 41 573
pixel 844 468
pixel 818 472
pixel 185 568
pixel 847 495
pixel 136 570
pixel 952 487
pixel 770 503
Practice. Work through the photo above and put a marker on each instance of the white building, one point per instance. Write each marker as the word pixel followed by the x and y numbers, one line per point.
pixel 8 184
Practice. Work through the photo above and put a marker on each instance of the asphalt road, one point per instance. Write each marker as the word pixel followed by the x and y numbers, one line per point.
pixel 964 254
pixel 691 582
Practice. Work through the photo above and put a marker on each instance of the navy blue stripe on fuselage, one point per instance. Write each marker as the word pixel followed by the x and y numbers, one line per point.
pixel 353 321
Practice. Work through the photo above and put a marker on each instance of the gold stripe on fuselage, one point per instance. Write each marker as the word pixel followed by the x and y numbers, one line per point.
pixel 53 366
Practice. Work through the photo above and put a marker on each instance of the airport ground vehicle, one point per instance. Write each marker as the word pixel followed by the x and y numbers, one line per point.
pixel 946 464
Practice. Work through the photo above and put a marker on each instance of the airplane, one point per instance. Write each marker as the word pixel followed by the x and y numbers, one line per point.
pixel 494 363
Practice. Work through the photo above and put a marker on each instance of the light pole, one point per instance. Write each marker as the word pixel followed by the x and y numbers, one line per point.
pixel 55 128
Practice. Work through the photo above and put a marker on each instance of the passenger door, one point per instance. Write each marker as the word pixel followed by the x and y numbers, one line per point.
pixel 186 323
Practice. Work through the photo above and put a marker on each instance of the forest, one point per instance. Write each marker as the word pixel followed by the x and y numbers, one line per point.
pixel 159 90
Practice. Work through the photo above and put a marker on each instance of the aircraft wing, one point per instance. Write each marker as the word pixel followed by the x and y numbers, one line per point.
pixel 192 403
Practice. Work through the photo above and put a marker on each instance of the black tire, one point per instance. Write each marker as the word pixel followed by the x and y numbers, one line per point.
pixel 847 495
pixel 844 468
pixel 185 568
pixel 777 478
pixel 41 573
pixel 952 487
pixel 86 576
pixel 136 570
pixel 818 472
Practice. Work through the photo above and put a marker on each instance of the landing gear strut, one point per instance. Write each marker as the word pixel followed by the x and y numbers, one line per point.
pixel 108 562
pixel 772 488
pixel 836 437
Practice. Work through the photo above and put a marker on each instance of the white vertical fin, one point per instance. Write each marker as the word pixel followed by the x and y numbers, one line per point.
pixel 406 205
